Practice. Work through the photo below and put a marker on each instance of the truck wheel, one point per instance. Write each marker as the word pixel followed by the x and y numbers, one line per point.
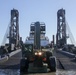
pixel 24 64
pixel 48 54
pixel 52 63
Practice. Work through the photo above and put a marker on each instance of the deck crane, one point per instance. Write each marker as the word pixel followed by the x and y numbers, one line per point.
pixel 14 29
pixel 12 34
pixel 61 29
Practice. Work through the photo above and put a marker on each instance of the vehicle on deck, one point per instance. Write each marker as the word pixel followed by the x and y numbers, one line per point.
pixel 35 54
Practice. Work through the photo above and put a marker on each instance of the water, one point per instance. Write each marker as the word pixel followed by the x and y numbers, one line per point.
pixel 9 72
pixel 17 72
pixel 70 72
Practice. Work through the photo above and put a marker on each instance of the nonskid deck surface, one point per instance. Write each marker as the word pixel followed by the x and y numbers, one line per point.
pixel 11 62
pixel 14 61
pixel 68 62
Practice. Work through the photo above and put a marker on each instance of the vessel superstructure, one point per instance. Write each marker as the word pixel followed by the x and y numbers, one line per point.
pixel 44 39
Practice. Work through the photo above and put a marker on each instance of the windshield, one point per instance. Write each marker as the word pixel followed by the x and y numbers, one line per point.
pixel 29 47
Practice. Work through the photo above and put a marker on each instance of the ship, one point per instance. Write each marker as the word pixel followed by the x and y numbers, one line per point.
pixel 44 39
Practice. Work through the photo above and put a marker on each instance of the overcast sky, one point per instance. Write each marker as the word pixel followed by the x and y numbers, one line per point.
pixel 37 10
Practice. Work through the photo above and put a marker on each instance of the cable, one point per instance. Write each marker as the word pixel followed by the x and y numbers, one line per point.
pixel 6 35
pixel 70 34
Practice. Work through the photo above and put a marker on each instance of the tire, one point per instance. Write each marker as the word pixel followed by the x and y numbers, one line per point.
pixel 52 63
pixel 48 54
pixel 24 64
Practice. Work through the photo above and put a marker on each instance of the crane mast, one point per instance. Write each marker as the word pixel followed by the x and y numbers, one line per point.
pixel 61 28
pixel 14 28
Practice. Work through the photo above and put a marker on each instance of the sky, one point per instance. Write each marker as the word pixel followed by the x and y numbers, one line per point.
pixel 37 10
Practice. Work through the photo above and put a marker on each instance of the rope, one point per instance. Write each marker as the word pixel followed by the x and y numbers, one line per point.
pixel 6 35
pixel 70 34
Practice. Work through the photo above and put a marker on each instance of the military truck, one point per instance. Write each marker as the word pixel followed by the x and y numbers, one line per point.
pixel 35 54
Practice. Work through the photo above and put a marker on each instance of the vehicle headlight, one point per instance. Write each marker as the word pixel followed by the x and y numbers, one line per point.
pixel 36 53
pixel 40 53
